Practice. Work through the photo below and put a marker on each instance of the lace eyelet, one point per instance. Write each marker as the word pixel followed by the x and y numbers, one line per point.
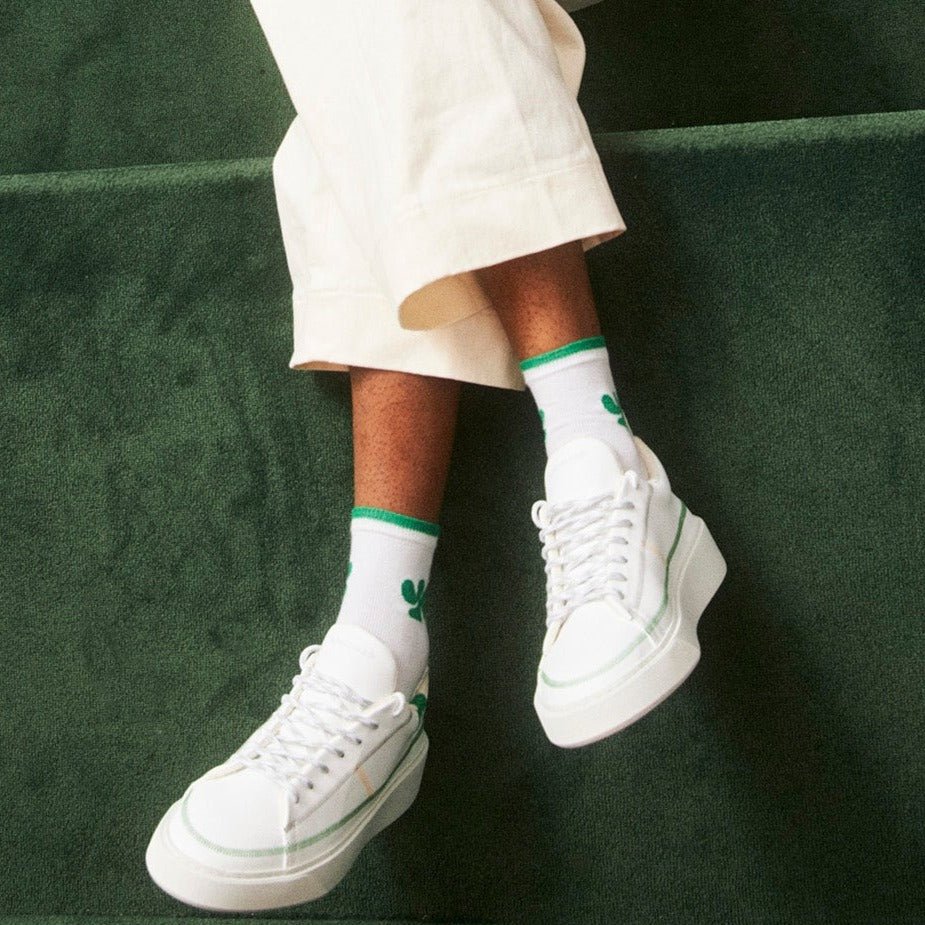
pixel 375 725
pixel 341 754
pixel 325 769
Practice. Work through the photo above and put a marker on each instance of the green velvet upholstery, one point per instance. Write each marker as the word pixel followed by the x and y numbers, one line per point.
pixel 173 502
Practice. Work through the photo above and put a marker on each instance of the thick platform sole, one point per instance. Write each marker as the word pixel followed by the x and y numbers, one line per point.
pixel 207 888
pixel 699 571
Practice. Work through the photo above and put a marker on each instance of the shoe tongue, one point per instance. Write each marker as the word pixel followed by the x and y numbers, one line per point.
pixel 582 468
pixel 358 659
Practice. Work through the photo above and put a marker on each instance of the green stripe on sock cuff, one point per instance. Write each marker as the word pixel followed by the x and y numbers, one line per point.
pixel 401 520
pixel 586 343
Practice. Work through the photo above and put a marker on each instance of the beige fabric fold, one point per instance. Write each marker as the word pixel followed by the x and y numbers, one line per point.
pixel 432 138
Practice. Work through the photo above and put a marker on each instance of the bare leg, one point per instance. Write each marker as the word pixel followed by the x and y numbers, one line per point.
pixel 403 427
pixel 544 300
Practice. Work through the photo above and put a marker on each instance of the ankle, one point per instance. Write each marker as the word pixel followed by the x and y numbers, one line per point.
pixel 388 576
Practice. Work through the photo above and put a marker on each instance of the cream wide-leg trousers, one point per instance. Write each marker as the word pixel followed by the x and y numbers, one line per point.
pixel 432 137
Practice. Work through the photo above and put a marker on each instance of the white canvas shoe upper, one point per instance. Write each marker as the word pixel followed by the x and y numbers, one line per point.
pixel 607 536
pixel 284 797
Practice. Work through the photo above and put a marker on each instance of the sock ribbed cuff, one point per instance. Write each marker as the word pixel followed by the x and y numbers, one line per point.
pixel 586 343
pixel 400 520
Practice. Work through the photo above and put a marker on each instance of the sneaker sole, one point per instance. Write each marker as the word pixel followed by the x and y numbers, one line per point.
pixel 701 572
pixel 206 888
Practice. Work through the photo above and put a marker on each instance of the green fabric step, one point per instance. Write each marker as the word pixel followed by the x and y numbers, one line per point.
pixel 175 504
pixel 102 83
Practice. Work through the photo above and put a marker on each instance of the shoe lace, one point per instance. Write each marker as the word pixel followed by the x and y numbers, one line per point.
pixel 317 718
pixel 581 543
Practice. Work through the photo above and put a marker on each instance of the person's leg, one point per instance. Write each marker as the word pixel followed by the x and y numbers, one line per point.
pixel 629 569
pixel 546 306
pixel 258 832
pixel 544 300
pixel 403 428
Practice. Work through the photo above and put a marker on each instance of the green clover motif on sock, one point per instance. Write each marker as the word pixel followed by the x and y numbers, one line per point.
pixel 415 596
pixel 610 404
pixel 419 701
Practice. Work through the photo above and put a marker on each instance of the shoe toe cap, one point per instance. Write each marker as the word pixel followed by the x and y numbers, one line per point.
pixel 595 647
pixel 235 822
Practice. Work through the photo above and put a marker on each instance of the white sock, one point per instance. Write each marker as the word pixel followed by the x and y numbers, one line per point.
pixel 574 391
pixel 387 578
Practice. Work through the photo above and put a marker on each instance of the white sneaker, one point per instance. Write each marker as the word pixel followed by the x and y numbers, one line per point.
pixel 281 821
pixel 629 571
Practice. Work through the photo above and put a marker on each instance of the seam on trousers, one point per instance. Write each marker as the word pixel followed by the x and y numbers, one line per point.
pixel 469 194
